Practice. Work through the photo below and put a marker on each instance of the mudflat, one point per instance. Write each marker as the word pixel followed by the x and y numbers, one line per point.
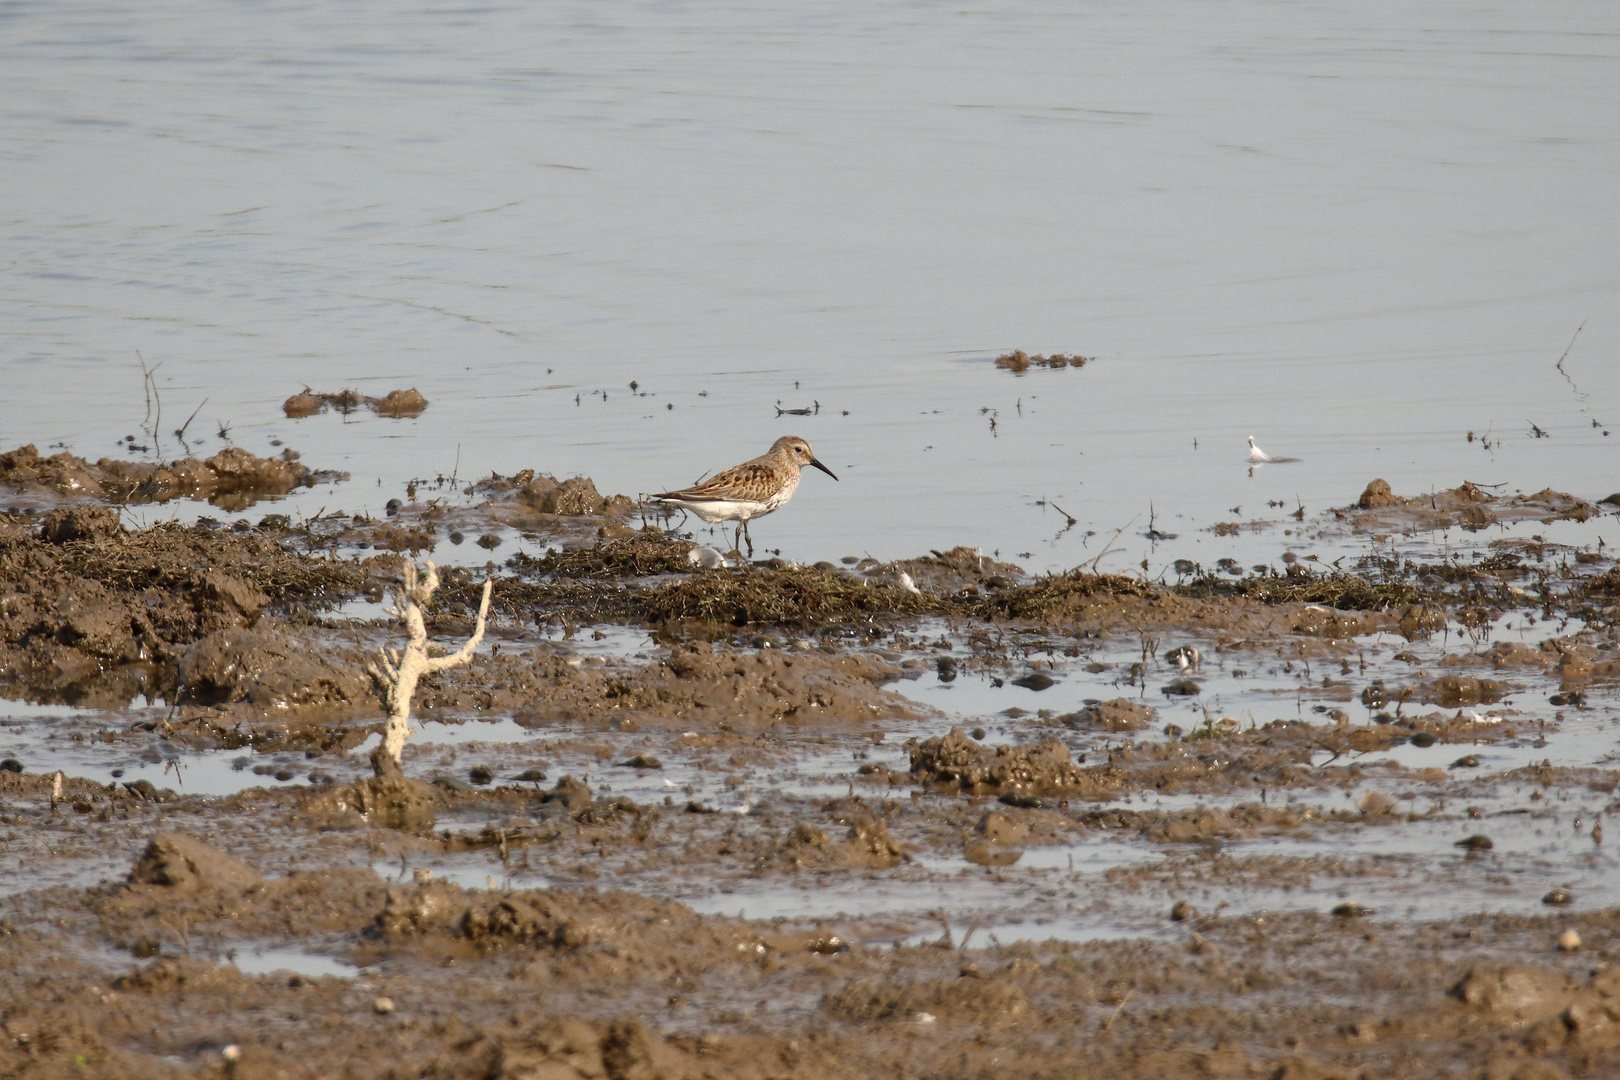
pixel 929 818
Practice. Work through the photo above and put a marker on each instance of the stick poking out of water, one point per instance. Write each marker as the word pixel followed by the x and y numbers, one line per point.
pixel 398 672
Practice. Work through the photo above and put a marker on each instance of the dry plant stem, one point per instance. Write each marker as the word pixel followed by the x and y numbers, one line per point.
pixel 398 672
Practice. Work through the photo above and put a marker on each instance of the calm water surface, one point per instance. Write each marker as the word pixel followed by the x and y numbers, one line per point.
pixel 1355 231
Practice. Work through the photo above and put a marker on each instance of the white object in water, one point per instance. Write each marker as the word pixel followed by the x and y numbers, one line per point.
pixel 1258 456
pixel 1186 657
pixel 706 557
pixel 907 584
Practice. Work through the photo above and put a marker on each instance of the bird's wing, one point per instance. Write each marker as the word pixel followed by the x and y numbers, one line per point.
pixel 752 480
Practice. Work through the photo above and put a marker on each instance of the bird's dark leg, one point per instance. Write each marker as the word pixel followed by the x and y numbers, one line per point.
pixel 736 539
pixel 748 538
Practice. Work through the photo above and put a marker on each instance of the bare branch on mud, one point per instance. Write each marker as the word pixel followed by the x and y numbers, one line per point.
pixel 1106 548
pixel 397 673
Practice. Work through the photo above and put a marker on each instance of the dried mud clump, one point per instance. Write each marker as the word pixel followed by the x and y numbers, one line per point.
pixel 1557 1012
pixel 866 845
pixel 484 920
pixel 539 493
pixel 1118 714
pixel 954 759
pixel 232 479
pixel 1378 494
pixel 1466 505
pixel 66 525
pixel 1018 361
pixel 697 685
pixel 177 861
pixel 274 671
pixel 396 403
pixel 960 570
pixel 383 802
pixel 97 615
pixel 570 1049
pixel 432 915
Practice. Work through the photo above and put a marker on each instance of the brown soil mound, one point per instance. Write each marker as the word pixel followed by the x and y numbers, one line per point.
pixel 545 494
pixel 273 671
pixel 866 845
pixel 696 686
pixel 1467 505
pixel 177 861
pixel 1018 361
pixel 961 569
pixel 1118 714
pixel 90 613
pixel 955 759
pixel 232 479
pixel 396 403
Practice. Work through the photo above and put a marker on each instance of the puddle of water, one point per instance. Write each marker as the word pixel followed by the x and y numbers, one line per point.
pixel 18 713
pixel 290 960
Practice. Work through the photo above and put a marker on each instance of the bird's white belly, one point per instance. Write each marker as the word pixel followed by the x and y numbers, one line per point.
pixel 718 510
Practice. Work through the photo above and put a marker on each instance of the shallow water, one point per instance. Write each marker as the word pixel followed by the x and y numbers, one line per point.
pixel 291 960
pixel 1356 232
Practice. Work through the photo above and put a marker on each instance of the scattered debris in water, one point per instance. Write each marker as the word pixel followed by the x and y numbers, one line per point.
pixel 396 403
pixel 1018 362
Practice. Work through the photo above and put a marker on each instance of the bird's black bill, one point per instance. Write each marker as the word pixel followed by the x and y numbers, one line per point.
pixel 823 468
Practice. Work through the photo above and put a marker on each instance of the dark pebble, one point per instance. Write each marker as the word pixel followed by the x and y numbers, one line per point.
pixel 1423 738
pixel 643 761
pixel 1559 897
pixel 11 764
pixel 1477 842
pixel 480 774
pixel 1035 680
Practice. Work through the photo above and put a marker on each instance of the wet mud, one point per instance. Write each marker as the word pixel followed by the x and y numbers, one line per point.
pixel 233 479
pixel 1018 362
pixel 1467 506
pixel 396 403
pixel 930 818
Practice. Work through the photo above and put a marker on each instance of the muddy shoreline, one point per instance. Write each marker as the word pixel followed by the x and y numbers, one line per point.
pixel 937 817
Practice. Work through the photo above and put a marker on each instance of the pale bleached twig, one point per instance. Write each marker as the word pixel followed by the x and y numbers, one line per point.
pixel 398 672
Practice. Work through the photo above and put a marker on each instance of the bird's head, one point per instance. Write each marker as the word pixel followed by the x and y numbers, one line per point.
pixel 798 451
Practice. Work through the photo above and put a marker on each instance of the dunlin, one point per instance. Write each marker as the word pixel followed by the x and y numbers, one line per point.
pixel 750 490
